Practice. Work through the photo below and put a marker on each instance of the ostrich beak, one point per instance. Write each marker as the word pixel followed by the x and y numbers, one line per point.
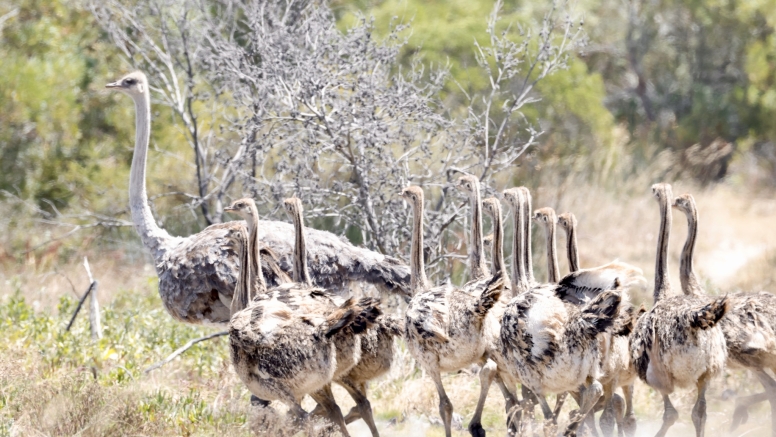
pixel 116 84
pixel 230 209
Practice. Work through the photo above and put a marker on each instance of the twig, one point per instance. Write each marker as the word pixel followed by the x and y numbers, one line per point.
pixel 94 306
pixel 183 349
pixel 80 304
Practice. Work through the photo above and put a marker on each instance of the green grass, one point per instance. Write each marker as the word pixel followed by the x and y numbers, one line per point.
pixel 63 383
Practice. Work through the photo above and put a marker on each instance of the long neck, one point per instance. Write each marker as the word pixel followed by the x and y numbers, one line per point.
pixel 571 248
pixel 258 283
pixel 418 281
pixel 476 249
pixel 690 284
pixel 497 251
pixel 527 261
pixel 518 272
pixel 243 292
pixel 301 274
pixel 152 236
pixel 553 275
pixel 662 284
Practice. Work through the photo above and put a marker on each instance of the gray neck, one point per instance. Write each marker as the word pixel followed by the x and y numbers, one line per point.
pixel 553 275
pixel 497 251
pixel 476 247
pixel 258 284
pixel 243 292
pixel 153 237
pixel 518 272
pixel 571 248
pixel 527 261
pixel 662 284
pixel 300 272
pixel 418 281
pixel 690 284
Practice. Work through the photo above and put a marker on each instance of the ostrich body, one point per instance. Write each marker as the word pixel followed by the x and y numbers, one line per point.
pixel 444 326
pixel 361 358
pixel 198 273
pixel 679 342
pixel 749 325
pixel 303 299
pixel 279 354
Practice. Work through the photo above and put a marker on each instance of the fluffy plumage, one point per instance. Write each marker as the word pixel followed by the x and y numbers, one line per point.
pixel 679 342
pixel 581 286
pixel 445 326
pixel 749 326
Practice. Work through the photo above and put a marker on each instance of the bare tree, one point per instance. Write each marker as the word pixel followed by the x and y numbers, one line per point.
pixel 336 118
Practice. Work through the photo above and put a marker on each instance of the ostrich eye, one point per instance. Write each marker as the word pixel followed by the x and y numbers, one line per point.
pixel 129 81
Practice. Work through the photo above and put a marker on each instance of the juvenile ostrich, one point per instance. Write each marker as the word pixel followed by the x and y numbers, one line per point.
pixel 369 355
pixel 198 273
pixel 616 367
pixel 550 346
pixel 749 325
pixel 679 342
pixel 444 326
pixel 279 354
pixel 302 298
pixel 489 372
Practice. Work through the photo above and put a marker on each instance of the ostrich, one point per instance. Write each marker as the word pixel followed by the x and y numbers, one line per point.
pixel 198 273
pixel 679 342
pixel 616 366
pixel 749 325
pixel 368 355
pixel 549 345
pixel 278 353
pixel 302 298
pixel 490 371
pixel 444 325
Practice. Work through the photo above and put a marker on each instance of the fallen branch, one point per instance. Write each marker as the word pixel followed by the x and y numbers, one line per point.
pixel 183 349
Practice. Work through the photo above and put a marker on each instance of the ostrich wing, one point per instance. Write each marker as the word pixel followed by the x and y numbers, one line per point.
pixel 583 285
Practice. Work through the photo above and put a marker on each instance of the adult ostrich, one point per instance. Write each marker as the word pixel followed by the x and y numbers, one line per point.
pixel 198 273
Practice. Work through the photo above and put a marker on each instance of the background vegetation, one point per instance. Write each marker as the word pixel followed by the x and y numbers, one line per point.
pixel 677 91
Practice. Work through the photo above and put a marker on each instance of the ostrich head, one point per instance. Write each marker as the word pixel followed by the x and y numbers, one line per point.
pixel 469 184
pixel 293 206
pixel 567 221
pixel 413 195
pixel 545 216
pixel 512 196
pixel 685 203
pixel 244 207
pixel 662 192
pixel 492 207
pixel 132 84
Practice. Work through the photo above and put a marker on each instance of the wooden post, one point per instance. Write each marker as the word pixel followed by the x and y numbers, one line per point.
pixel 94 306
